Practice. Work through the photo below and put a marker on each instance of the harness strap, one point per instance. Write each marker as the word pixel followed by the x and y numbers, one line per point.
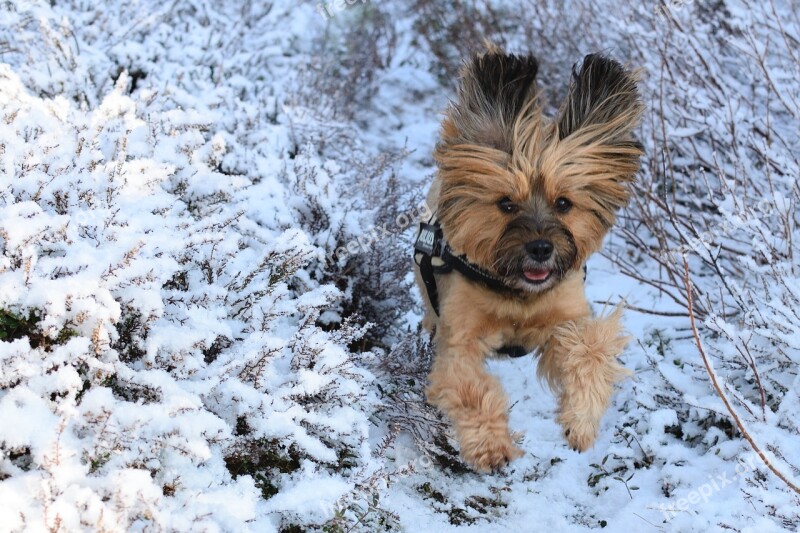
pixel 426 271
pixel 473 273
pixel 513 351
pixel 428 256
pixel 434 256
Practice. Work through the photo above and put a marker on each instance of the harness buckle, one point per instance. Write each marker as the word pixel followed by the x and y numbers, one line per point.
pixel 429 239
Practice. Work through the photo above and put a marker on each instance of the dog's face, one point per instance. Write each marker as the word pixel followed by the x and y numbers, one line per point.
pixel 526 197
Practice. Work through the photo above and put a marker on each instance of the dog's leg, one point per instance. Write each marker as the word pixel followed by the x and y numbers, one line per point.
pixel 473 399
pixel 579 361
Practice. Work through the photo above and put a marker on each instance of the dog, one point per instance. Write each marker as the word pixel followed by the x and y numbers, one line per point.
pixel 520 202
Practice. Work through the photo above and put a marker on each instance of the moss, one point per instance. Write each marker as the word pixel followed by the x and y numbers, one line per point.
pixel 130 330
pixel 15 326
pixel 427 490
pixel 98 462
pixel 483 505
pixel 242 427
pixel 19 457
pixel 449 460
pixel 346 458
pixel 131 392
pixel 178 282
pixel 264 460
pixel 220 344
pixel 458 515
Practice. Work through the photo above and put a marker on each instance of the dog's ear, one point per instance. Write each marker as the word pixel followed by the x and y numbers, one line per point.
pixel 596 150
pixel 495 86
pixel 603 105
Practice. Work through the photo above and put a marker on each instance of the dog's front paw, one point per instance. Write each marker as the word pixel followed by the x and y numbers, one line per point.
pixel 487 449
pixel 579 432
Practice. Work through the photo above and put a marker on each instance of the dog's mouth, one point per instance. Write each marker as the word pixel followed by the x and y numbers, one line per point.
pixel 533 276
pixel 536 275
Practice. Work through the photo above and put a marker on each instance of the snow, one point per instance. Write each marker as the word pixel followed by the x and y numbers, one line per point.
pixel 208 321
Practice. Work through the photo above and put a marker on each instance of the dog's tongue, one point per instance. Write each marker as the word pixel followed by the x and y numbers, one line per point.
pixel 537 275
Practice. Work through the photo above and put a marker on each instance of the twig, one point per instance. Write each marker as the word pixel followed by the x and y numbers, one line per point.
pixel 718 389
pixel 643 310
pixel 648 521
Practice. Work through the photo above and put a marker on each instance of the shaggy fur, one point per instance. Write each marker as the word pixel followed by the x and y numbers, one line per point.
pixel 529 199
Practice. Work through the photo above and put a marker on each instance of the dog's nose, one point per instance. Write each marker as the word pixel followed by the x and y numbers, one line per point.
pixel 540 250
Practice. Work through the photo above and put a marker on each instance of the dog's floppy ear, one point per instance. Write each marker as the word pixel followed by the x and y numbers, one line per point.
pixel 603 104
pixel 495 86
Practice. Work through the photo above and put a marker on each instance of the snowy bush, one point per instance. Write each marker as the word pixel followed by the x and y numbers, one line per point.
pixel 717 211
pixel 207 319
pixel 716 214
pixel 164 244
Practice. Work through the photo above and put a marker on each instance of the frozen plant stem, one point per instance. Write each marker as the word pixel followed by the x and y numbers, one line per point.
pixel 718 389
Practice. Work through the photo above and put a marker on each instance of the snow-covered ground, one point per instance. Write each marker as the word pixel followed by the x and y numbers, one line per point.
pixel 207 319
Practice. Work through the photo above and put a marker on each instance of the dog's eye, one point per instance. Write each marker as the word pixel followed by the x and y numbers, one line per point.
pixel 563 205
pixel 506 205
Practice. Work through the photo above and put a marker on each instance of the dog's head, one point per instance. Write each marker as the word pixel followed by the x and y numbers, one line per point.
pixel 526 197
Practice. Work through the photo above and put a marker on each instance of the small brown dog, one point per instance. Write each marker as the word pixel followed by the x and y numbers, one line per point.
pixel 521 201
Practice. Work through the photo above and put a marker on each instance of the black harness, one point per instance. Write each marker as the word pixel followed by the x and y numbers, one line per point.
pixel 434 256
